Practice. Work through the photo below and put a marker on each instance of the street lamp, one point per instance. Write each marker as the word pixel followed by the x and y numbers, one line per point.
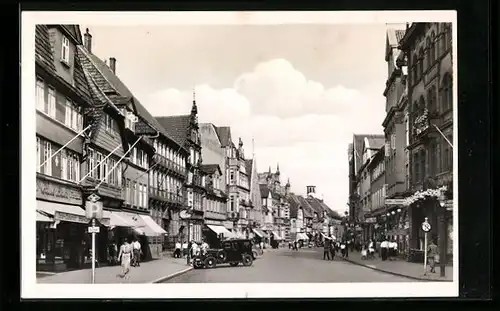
pixel 442 235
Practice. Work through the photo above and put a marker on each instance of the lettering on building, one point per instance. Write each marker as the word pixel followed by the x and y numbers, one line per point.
pixel 57 192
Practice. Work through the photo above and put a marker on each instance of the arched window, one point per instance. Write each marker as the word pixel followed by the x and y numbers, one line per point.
pixel 446 93
pixel 428 60
pixel 433 46
pixel 421 62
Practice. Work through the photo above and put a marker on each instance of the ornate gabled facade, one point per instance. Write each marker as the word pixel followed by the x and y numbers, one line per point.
pixel 185 130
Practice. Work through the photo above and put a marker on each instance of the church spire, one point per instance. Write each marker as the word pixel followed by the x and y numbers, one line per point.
pixel 278 168
pixel 194 108
pixel 288 183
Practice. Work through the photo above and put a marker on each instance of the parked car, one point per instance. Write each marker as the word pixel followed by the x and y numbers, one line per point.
pixel 233 252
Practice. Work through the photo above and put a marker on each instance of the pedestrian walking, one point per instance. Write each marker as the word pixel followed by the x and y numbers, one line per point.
pixel 371 250
pixel 343 249
pixel 326 251
pixel 332 249
pixel 432 256
pixel 177 251
pixel 204 248
pixel 384 249
pixel 125 257
pixel 137 253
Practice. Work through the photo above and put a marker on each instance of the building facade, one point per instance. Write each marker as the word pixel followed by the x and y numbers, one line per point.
pixel 61 95
pixel 428 48
pixel 215 204
pixel 185 130
pixel 255 196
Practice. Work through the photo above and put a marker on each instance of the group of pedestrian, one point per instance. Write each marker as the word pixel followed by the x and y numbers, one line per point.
pixel 388 249
pixel 129 255
pixel 331 247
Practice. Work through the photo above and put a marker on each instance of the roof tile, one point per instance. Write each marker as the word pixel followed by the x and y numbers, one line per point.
pixel 176 127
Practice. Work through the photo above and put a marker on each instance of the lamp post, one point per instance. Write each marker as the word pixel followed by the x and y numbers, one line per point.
pixel 442 235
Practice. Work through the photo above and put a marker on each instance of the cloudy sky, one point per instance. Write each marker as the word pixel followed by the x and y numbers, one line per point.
pixel 300 91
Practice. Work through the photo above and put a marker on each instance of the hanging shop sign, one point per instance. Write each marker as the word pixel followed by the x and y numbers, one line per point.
pixel 62 216
pixel 371 220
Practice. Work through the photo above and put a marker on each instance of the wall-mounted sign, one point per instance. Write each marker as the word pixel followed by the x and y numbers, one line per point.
pixel 394 201
pixel 62 216
pixel 184 214
pixel 371 220
pixel 52 191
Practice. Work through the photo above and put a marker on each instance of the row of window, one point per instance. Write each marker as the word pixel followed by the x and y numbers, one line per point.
pixel 104 169
pixel 59 108
pixel 378 170
pixel 440 160
pixel 136 193
pixel 233 177
pixel 428 55
pixel 64 165
pixel 139 157
pixel 432 104
pixel 165 183
pixel 169 153
pixel 378 198
pixel 195 200
pixel 215 206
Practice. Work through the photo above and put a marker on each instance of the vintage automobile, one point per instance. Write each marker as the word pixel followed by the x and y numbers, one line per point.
pixel 232 252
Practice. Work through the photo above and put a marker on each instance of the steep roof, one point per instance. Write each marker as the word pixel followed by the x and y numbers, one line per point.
pixel 306 207
pixel 331 213
pixel 176 126
pixel 210 168
pixel 294 205
pixel 224 133
pixel 248 168
pixel 358 143
pixel 43 49
pixel 376 141
pixel 44 56
pixel 118 92
pixel 315 204
pixel 264 191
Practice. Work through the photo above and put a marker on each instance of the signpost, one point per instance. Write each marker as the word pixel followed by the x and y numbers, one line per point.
pixel 394 201
pixel 426 227
pixel 93 209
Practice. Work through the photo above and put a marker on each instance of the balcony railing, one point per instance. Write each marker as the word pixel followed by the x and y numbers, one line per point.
pixel 169 164
pixel 165 195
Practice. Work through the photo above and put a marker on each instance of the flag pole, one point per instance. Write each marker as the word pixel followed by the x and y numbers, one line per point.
pixel 65 145
pixel 437 128
pixel 112 169
pixel 98 164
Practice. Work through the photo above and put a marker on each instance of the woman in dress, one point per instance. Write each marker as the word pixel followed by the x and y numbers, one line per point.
pixel 125 255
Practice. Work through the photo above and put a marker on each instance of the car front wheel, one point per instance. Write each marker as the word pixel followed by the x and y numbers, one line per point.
pixel 210 262
pixel 247 260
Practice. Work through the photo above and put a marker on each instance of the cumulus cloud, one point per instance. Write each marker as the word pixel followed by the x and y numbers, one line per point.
pixel 294 121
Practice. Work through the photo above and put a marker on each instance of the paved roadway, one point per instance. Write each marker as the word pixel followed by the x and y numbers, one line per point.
pixel 286 266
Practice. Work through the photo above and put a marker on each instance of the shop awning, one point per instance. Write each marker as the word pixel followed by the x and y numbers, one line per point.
pixel 152 225
pixel 40 217
pixel 260 233
pixel 302 236
pixel 65 212
pixel 221 230
pixel 136 222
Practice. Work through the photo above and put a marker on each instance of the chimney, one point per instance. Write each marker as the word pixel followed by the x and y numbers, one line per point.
pixel 87 41
pixel 112 64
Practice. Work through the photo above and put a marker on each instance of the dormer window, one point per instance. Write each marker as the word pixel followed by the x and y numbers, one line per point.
pixel 65 50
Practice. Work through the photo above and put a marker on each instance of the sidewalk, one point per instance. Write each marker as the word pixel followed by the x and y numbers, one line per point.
pixel 149 272
pixel 401 268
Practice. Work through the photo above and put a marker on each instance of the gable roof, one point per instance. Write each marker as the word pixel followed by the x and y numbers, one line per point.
pixel 211 168
pixel 176 127
pixel 117 91
pixel 248 168
pixel 74 31
pixel 358 145
pixel 264 191
pixel 376 141
pixel 315 204
pixel 207 125
pixel 43 49
pixel 294 204
pixel 224 133
pixel 306 207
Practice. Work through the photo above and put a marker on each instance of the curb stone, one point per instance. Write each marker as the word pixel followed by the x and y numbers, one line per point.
pixel 171 276
pixel 395 273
